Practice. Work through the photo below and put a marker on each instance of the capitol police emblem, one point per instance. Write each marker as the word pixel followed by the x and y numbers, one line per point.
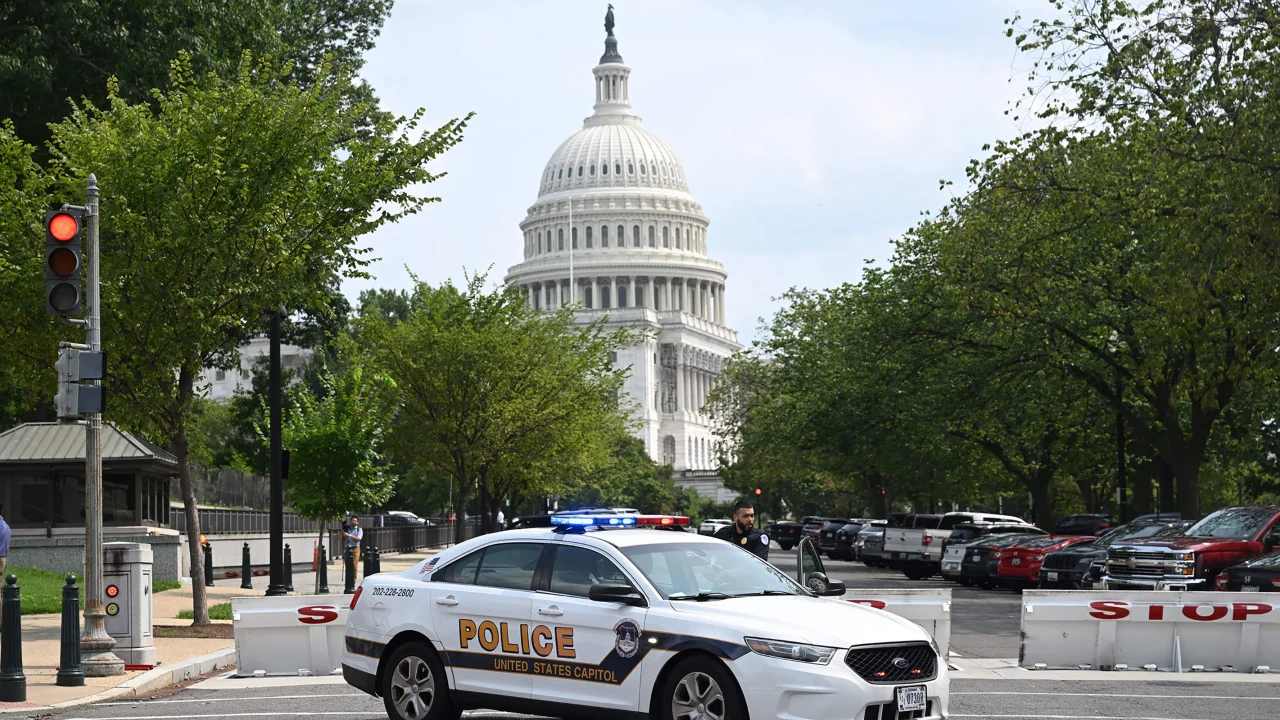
pixel 627 642
pixel 764 539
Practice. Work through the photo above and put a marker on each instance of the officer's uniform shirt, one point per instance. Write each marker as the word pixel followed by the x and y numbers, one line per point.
pixel 755 541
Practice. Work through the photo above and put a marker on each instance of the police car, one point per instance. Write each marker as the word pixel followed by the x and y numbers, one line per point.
pixel 601 616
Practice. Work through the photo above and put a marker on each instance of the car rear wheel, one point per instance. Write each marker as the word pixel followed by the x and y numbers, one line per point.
pixel 415 687
pixel 786 546
pixel 700 688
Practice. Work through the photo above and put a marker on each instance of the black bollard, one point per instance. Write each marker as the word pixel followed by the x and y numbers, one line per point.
pixel 246 570
pixel 70 672
pixel 288 568
pixel 13 684
pixel 322 585
pixel 348 571
pixel 369 564
pixel 377 561
pixel 208 564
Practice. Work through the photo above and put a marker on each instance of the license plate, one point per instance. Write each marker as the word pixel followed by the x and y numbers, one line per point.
pixel 1249 588
pixel 975 558
pixel 1051 576
pixel 911 698
pixel 1016 561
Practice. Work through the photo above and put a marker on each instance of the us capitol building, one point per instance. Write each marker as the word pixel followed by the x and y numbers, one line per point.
pixel 616 231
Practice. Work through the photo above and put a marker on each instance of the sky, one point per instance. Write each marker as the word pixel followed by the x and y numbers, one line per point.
pixel 812 133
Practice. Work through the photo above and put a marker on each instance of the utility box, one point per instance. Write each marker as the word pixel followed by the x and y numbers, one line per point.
pixel 126 588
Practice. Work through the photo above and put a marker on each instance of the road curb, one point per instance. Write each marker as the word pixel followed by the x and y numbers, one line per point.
pixel 157 679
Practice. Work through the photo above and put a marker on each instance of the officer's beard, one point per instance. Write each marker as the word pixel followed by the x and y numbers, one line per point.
pixel 743 529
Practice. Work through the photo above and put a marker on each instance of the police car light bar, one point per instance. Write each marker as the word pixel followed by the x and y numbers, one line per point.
pixel 585 521
pixel 661 520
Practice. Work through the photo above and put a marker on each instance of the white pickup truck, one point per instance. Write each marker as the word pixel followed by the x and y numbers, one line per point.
pixel 916 546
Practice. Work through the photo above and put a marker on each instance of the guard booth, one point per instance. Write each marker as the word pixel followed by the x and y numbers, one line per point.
pixel 126 588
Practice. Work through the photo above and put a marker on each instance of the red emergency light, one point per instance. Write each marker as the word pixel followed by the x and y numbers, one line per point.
pixel 661 520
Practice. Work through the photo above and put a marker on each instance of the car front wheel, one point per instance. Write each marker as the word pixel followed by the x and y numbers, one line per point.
pixel 414 685
pixel 700 688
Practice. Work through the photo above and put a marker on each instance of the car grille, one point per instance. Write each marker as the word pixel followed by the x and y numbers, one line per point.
pixel 889 711
pixel 1060 562
pixel 1146 565
pixel 878 663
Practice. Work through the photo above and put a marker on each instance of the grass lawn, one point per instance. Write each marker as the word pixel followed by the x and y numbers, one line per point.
pixel 221 611
pixel 42 590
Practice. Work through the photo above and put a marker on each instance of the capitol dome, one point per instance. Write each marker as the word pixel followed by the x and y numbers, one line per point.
pixel 615 234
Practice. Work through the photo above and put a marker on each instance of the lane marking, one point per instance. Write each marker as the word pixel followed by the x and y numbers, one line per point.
pixel 230 699
pixel 213 715
pixel 1024 716
pixel 1119 695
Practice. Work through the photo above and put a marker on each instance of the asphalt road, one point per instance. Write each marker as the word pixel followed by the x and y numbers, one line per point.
pixel 984 623
pixel 995 699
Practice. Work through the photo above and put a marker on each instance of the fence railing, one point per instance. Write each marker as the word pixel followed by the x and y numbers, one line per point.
pixel 220 521
pixel 404 538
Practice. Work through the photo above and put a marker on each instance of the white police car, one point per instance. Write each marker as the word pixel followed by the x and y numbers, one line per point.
pixel 577 621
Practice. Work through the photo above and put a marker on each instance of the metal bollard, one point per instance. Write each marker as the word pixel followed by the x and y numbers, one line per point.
pixel 349 571
pixel 246 570
pixel 322 584
pixel 208 565
pixel 369 564
pixel 377 561
pixel 70 671
pixel 288 568
pixel 13 683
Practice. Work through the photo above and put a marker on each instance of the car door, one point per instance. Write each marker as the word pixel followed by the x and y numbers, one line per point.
pixel 595 661
pixel 481 605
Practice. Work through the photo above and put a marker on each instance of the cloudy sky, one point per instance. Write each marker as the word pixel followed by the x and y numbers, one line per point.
pixel 811 132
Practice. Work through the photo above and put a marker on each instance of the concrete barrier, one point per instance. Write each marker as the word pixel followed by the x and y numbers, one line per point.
pixel 1152 630
pixel 930 609
pixel 289 635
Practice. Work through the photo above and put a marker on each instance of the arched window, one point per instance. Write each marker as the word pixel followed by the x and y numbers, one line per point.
pixel 575 238
pixel 664 171
pixel 642 169
pixel 635 235
pixel 588 236
pixel 677 238
pixel 561 172
pixel 593 169
pixel 539 241
pixel 653 170
pixel 579 171
pixel 586 294
pixel 604 168
pixel 639 296
pixel 666 237
pixel 617 168
pixel 622 296
pixel 561 239
pixel 652 243
pixel 622 236
pixel 631 169
pixel 604 236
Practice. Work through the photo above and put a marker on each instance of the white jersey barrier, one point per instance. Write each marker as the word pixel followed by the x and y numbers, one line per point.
pixel 289 635
pixel 1153 630
pixel 930 609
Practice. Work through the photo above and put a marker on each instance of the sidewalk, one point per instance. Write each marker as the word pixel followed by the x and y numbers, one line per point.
pixel 41 638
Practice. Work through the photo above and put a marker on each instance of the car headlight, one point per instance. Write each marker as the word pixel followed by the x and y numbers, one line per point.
pixel 1085 564
pixel 791 651
pixel 938 651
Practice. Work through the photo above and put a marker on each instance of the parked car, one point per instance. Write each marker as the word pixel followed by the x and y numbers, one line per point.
pixel 966 533
pixel 811 527
pixel 784 532
pixel 1193 560
pixel 870 544
pixel 911 546
pixel 397 518
pixel 1070 568
pixel 846 537
pixel 1094 524
pixel 710 527
pixel 529 521
pixel 1019 565
pixel 980 565
pixel 827 536
pixel 1261 574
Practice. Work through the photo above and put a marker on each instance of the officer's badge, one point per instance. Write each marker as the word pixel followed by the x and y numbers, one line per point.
pixel 627 642
pixel 744 541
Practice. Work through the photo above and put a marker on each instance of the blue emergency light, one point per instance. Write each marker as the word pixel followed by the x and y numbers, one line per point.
pixel 579 523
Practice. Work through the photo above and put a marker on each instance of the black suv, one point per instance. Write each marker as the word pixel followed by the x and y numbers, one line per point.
pixel 846 537
pixel 827 536
pixel 784 532
pixel 1069 568
pixel 1094 524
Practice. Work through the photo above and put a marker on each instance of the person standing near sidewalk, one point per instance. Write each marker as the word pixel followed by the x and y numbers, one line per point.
pixel 4 546
pixel 352 537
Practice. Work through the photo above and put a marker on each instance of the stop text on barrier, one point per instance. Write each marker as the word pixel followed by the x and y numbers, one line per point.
pixel 1204 612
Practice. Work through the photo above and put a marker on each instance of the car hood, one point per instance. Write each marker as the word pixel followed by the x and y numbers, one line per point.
pixel 816 620
pixel 1183 543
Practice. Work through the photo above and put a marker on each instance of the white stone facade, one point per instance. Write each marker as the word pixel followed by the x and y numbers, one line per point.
pixel 222 384
pixel 616 232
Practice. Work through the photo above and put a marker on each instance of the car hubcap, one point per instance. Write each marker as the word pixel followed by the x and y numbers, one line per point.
pixel 697 697
pixel 413 688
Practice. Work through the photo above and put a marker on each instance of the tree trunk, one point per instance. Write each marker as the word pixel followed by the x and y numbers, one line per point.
pixel 1042 498
pixel 1168 497
pixel 1188 481
pixel 182 450
pixel 875 498
pixel 1142 478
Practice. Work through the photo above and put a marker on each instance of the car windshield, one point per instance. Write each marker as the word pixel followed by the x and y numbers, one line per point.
pixel 1129 532
pixel 950 521
pixel 1240 523
pixel 682 570
pixel 963 534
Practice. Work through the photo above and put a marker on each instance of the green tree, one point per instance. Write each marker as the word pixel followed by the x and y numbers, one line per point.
pixel 495 391
pixel 221 200
pixel 630 479
pixel 335 446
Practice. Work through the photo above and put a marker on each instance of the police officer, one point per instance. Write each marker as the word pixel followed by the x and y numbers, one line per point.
pixel 743 532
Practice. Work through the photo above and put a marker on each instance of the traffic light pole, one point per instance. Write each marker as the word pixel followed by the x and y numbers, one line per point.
pixel 95 644
pixel 277 586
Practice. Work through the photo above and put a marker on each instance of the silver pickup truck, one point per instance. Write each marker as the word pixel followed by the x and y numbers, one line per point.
pixel 916 547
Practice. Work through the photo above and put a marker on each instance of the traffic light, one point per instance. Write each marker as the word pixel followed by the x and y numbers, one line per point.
pixel 759 492
pixel 74 399
pixel 62 261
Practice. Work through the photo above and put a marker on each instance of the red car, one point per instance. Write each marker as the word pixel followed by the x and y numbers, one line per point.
pixel 1192 560
pixel 1020 564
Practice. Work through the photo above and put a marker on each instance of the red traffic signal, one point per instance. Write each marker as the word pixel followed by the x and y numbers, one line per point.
pixel 759 491
pixel 112 591
pixel 62 285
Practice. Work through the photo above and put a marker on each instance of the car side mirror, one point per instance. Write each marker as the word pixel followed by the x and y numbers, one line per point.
pixel 624 594
pixel 819 584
